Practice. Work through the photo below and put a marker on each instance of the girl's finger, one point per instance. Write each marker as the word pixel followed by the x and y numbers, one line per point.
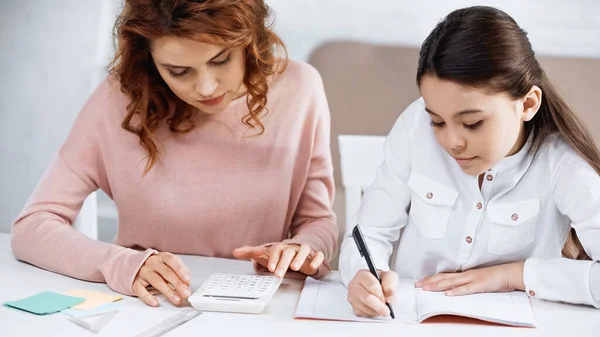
pixel 364 309
pixel 374 304
pixel 469 288
pixel 448 283
pixel 429 280
pixel 359 313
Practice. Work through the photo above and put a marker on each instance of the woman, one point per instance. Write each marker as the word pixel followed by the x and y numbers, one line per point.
pixel 207 139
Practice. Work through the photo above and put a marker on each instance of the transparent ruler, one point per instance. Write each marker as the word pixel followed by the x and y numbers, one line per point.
pixel 170 323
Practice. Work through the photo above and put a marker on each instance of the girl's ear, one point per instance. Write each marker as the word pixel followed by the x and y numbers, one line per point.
pixel 531 103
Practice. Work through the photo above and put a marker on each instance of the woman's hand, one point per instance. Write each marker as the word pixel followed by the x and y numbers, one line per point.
pixel 501 278
pixel 167 274
pixel 367 297
pixel 280 257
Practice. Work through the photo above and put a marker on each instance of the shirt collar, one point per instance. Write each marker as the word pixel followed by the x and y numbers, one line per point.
pixel 521 157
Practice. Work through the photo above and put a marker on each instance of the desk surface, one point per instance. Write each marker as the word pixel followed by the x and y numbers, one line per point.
pixel 18 280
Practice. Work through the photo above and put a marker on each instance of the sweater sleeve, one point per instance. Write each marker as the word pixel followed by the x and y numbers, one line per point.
pixel 43 234
pixel 314 222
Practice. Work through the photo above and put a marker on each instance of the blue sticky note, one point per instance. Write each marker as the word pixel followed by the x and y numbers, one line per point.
pixel 45 303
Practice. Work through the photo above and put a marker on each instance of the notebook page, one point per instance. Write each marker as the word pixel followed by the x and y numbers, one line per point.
pixel 327 300
pixel 512 308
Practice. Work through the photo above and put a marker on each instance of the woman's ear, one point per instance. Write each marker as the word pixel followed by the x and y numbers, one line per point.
pixel 531 103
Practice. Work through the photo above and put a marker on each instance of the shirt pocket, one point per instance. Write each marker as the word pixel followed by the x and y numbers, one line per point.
pixel 430 205
pixel 512 225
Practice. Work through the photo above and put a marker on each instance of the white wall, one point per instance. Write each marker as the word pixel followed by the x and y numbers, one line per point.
pixel 47 53
pixel 558 27
pixel 48 48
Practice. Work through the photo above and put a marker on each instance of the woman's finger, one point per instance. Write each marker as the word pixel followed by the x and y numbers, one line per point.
pixel 284 262
pixel 274 256
pixel 317 260
pixel 243 253
pixel 140 291
pixel 258 253
pixel 169 275
pixel 300 257
pixel 161 285
pixel 175 263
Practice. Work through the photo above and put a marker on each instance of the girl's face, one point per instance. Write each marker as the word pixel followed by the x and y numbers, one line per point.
pixel 205 76
pixel 475 126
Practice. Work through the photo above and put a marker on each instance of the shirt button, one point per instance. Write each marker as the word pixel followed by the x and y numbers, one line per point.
pixel 429 195
pixel 531 293
pixel 469 239
pixel 489 177
pixel 479 205
pixel 514 217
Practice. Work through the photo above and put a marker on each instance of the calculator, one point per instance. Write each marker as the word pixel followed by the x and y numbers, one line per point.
pixel 235 293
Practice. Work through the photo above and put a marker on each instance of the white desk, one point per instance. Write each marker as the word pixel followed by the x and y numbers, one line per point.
pixel 18 280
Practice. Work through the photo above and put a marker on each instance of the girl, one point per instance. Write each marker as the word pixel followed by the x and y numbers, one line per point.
pixel 207 139
pixel 484 178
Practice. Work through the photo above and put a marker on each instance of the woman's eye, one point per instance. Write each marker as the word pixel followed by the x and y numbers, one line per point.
pixel 473 125
pixel 178 74
pixel 223 62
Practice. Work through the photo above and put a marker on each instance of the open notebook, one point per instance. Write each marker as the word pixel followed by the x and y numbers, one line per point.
pixel 327 300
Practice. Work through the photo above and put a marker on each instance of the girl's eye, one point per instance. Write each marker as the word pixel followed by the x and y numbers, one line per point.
pixel 437 125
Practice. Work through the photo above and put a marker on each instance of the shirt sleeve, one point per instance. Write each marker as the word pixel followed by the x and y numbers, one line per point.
pixel 595 284
pixel 384 206
pixel 577 195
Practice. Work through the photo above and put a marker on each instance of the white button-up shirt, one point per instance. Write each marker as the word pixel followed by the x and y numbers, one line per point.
pixel 423 215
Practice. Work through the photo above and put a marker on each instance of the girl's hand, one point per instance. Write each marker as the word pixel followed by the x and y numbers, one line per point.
pixel 501 278
pixel 367 297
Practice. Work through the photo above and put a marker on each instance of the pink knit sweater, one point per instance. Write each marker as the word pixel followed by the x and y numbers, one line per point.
pixel 216 188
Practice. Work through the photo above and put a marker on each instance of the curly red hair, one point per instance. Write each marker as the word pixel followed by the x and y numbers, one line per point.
pixel 230 23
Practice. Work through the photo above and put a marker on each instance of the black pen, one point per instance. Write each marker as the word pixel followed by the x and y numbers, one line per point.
pixel 364 252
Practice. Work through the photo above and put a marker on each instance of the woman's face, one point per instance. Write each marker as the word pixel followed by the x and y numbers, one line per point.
pixel 205 76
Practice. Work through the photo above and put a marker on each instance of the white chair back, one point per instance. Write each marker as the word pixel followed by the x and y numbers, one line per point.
pixel 87 219
pixel 360 156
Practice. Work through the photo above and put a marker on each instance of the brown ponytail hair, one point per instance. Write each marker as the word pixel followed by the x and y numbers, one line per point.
pixel 484 47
